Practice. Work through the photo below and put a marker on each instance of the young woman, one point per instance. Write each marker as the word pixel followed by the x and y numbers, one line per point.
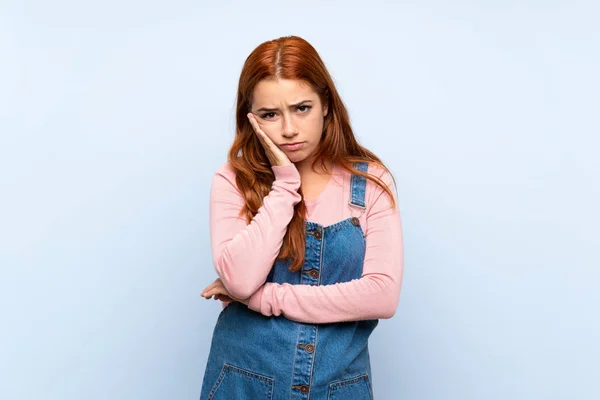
pixel 306 239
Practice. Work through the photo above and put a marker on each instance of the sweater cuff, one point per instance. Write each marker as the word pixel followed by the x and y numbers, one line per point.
pixel 286 172
pixel 256 299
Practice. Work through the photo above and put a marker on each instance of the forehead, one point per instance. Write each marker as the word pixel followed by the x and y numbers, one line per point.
pixel 271 91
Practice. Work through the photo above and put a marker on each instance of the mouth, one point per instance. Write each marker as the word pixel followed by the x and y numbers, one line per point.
pixel 293 146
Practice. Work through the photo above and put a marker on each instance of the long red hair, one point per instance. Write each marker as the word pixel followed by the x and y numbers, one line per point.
pixel 291 57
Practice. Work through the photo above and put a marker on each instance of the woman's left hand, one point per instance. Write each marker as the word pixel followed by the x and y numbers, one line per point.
pixel 218 290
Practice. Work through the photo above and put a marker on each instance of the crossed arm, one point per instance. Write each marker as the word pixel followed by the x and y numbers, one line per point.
pixel 374 295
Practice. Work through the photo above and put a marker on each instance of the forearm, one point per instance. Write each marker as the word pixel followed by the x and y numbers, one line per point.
pixel 244 254
pixel 375 295
pixel 370 297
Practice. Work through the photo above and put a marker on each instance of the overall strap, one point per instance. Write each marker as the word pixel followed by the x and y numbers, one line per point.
pixel 358 186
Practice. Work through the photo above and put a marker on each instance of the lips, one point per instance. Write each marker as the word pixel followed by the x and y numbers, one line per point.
pixel 292 146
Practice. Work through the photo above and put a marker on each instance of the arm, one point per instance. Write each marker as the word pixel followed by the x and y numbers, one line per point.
pixel 375 295
pixel 244 254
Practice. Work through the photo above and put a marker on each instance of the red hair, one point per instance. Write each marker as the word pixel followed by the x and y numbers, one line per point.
pixel 291 57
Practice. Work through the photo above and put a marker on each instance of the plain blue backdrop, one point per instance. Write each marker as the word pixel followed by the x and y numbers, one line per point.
pixel 114 116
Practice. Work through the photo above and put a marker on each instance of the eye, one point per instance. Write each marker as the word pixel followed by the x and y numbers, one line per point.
pixel 305 107
pixel 264 116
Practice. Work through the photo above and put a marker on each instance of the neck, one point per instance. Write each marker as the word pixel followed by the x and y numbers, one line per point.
pixel 304 167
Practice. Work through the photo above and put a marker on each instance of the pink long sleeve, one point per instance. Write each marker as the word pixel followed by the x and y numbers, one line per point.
pixel 375 295
pixel 244 254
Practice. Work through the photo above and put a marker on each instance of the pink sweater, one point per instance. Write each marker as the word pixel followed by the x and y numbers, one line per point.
pixel 243 255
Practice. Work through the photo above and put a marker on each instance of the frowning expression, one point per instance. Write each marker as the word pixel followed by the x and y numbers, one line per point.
pixel 289 112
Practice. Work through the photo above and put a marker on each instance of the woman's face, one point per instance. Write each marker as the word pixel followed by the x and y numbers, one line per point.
pixel 289 111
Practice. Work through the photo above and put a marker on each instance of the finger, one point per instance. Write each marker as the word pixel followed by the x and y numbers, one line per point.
pixel 216 283
pixel 207 296
pixel 271 150
pixel 214 291
pixel 274 153
pixel 206 289
pixel 259 132
pixel 210 286
pixel 254 122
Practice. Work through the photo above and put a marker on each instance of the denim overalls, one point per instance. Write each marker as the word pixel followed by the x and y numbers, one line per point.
pixel 273 358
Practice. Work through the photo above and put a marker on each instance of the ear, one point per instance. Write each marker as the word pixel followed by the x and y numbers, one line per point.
pixel 325 110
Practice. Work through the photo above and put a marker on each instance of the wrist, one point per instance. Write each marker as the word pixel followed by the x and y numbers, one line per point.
pixel 254 301
pixel 286 172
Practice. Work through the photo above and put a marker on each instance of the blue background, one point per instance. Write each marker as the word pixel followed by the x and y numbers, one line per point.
pixel 114 116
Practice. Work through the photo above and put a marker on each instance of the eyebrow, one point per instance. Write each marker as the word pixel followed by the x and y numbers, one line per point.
pixel 277 109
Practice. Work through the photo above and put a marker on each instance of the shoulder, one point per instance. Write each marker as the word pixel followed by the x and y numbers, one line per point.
pixel 225 196
pixel 224 172
pixel 375 170
pixel 224 176
pixel 376 194
pixel 381 173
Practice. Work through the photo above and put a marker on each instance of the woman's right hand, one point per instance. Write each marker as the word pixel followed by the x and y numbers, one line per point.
pixel 275 155
pixel 218 290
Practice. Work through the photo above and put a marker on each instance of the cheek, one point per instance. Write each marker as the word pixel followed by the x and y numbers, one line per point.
pixel 314 125
pixel 314 117
pixel 269 130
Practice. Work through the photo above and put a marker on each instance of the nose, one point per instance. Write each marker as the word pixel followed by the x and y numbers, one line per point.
pixel 289 127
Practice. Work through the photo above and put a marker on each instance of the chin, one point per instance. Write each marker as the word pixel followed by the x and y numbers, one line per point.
pixel 296 158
